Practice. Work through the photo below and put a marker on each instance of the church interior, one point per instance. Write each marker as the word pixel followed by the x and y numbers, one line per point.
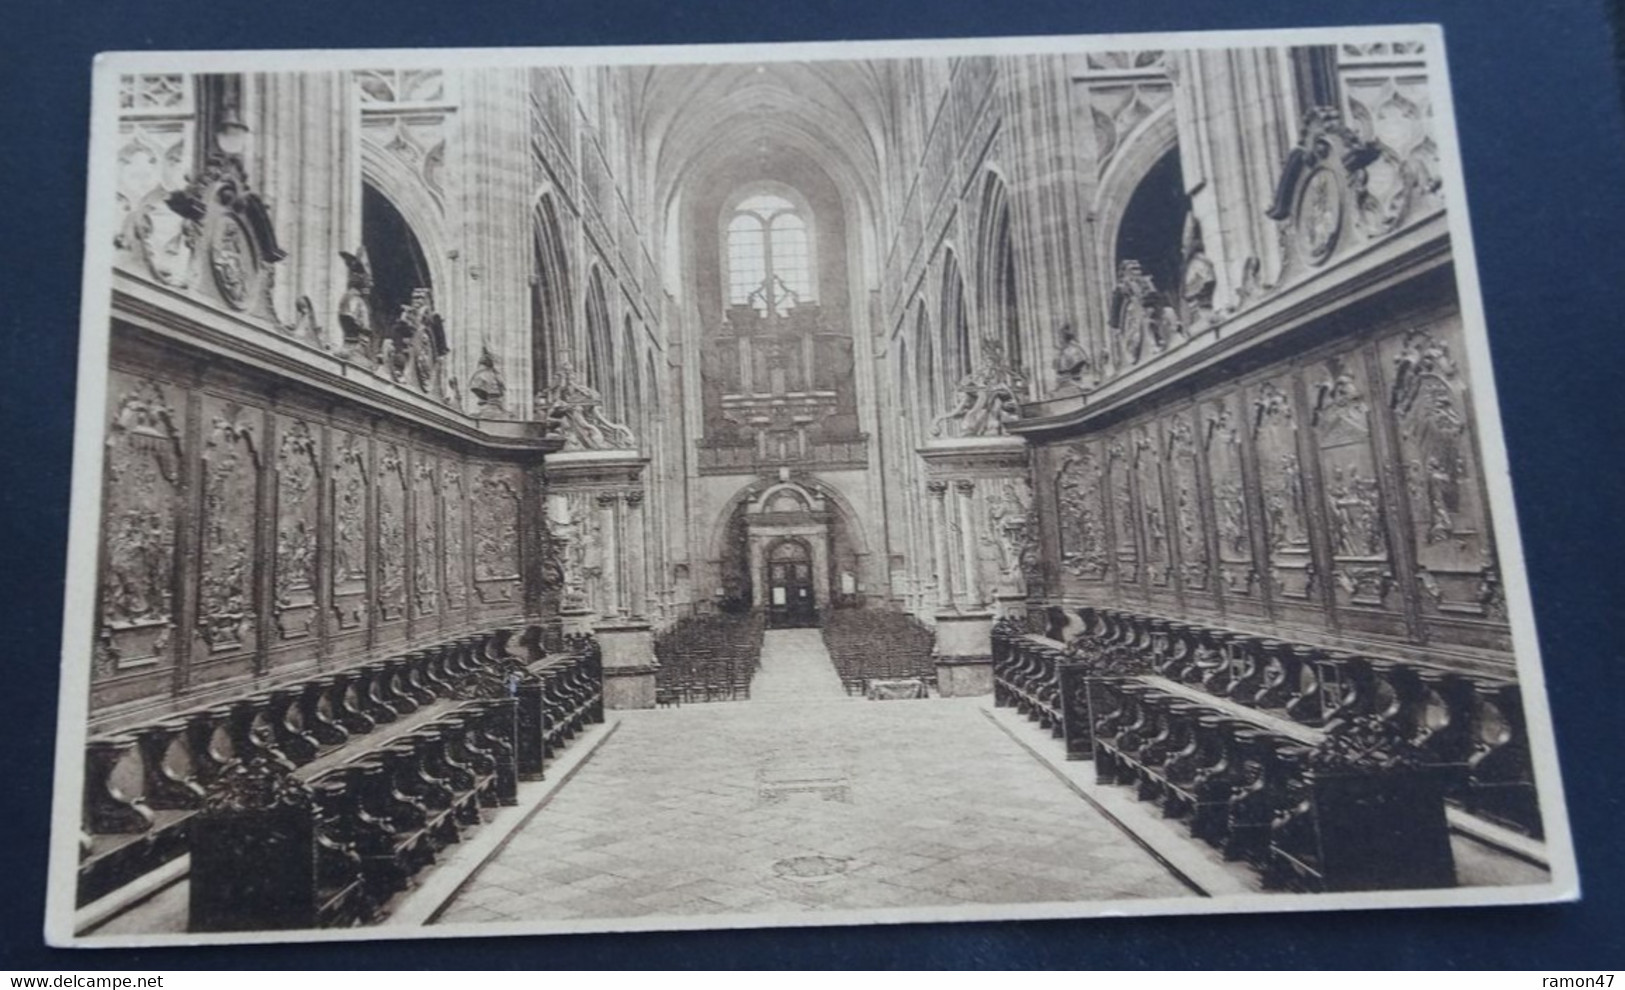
pixel 564 495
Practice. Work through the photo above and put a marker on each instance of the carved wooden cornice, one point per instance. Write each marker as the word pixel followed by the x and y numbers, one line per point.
pixel 1378 267
pixel 180 325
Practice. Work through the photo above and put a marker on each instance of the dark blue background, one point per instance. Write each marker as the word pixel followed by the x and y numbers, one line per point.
pixel 1540 125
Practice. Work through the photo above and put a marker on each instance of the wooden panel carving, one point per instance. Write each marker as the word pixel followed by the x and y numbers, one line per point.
pixel 1159 564
pixel 1455 555
pixel 1362 572
pixel 495 518
pixel 351 484
pixel 1194 566
pixel 426 545
pixel 298 467
pixel 1118 467
pixel 1079 492
pixel 141 485
pixel 390 551
pixel 1286 520
pixel 1238 574
pixel 456 504
pixel 230 474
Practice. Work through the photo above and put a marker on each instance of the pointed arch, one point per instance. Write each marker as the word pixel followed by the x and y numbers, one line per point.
pixel 954 323
pixel 550 305
pixel 600 369
pixel 926 396
pixel 999 312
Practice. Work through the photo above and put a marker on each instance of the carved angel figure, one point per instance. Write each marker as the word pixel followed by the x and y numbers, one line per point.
pixel 571 408
pixel 988 398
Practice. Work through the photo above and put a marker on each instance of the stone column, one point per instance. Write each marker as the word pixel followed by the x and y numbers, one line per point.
pixel 609 566
pixel 304 164
pixel 938 491
pixel 965 506
pixel 637 551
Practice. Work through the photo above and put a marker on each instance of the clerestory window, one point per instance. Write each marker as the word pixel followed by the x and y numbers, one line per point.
pixel 769 253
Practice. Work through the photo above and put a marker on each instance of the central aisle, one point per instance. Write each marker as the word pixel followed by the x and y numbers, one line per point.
pixel 769 806
pixel 795 667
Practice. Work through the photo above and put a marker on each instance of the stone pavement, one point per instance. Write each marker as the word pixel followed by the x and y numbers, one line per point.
pixel 803 800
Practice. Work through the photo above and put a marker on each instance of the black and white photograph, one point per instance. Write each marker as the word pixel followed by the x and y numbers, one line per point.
pixel 532 491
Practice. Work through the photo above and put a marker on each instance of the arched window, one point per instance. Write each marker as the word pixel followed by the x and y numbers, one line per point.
pixel 925 372
pixel 956 356
pixel 550 298
pixel 600 373
pixel 769 255
pixel 1000 318
pixel 634 412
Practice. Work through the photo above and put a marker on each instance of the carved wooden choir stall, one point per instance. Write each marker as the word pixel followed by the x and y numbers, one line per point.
pixel 1327 771
pixel 314 802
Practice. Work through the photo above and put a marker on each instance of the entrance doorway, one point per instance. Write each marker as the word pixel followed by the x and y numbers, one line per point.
pixel 791 600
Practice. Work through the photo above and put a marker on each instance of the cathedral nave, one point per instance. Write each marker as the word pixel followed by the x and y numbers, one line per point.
pixel 572 495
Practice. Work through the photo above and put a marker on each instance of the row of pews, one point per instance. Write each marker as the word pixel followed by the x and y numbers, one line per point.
pixel 867 646
pixel 1327 771
pixel 708 658
pixel 314 802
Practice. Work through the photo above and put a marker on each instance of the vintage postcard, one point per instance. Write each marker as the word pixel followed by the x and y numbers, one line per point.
pixel 533 491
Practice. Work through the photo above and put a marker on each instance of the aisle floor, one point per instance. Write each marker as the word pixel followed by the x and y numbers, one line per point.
pixel 803 800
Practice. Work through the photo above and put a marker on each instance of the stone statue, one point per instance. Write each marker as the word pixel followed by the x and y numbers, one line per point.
pixel 1071 360
pixel 488 388
pixel 571 408
pixel 1140 314
pixel 416 345
pixel 1198 279
pixel 988 398
pixel 355 307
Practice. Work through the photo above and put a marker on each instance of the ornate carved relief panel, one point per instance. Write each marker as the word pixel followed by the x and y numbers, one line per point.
pixel 426 544
pixel 1356 521
pixel 1153 515
pixel 142 484
pixel 294 582
pixel 1080 485
pixel 1427 393
pixel 1232 519
pixel 1119 468
pixel 1195 569
pixel 455 502
pixel 390 551
pixel 1009 536
pixel 351 487
pixel 228 552
pixel 495 519
pixel 1286 519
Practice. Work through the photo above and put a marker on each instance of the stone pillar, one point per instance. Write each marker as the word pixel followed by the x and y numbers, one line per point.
pixel 938 491
pixel 965 506
pixel 303 164
pixel 637 551
pixel 609 565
